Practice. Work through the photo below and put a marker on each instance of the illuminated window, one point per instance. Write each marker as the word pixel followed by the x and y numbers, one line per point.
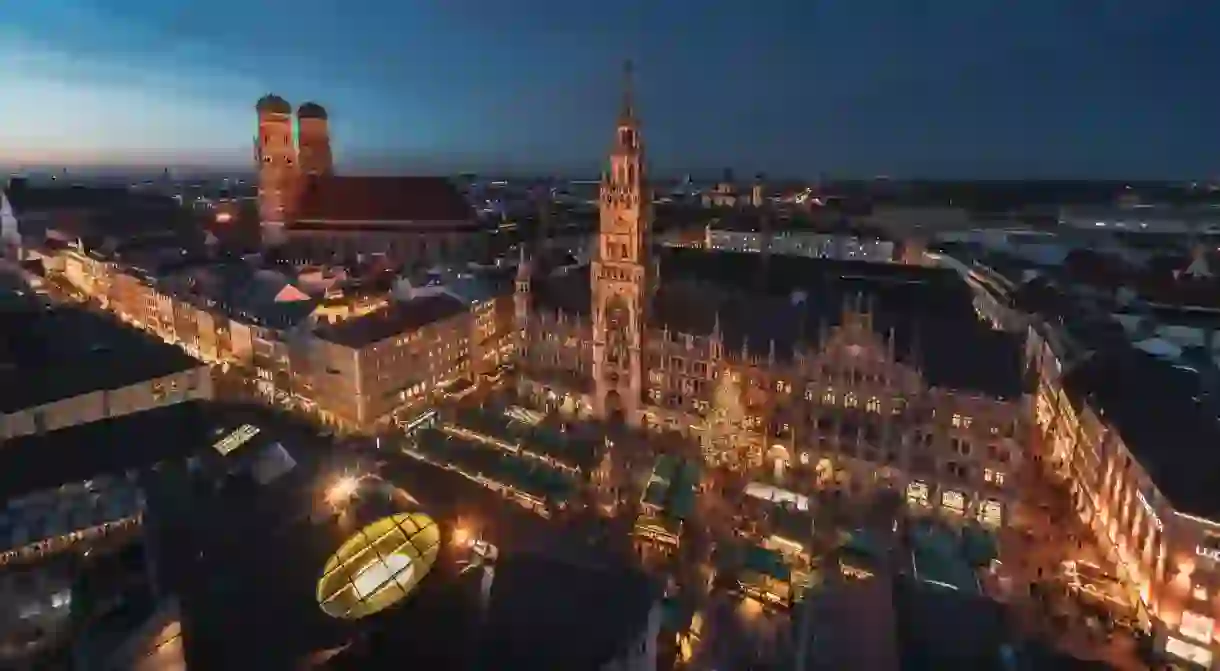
pixel 828 396
pixel 1188 651
pixel 809 393
pixel 1196 626
pixel 850 400
pixel 873 405
pixel 961 421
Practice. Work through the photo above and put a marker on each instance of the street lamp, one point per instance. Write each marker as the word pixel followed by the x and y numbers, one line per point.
pixel 464 532
pixel 342 490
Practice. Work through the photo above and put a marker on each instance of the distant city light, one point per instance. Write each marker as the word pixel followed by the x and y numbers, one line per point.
pixel 224 218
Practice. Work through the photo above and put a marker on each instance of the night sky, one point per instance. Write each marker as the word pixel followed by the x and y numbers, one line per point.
pixel 936 88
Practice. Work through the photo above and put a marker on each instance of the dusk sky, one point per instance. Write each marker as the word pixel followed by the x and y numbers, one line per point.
pixel 997 88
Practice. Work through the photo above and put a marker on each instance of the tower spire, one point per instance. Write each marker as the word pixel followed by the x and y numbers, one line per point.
pixel 620 273
pixel 626 115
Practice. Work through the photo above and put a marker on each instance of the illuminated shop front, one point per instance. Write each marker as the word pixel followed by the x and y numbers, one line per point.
pixel 765 575
pixel 1192 642
pixel 378 566
pixel 658 529
pixel 1190 652
pixel 991 513
pixel 953 501
pixel 917 494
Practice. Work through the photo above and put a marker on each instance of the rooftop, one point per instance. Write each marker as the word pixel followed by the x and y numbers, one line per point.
pixel 105 447
pixel 244 560
pixel 93 210
pixel 561 631
pixel 263 296
pixel 243 554
pixel 854 627
pixel 397 318
pixel 1172 432
pixel 370 200
pixel 944 629
pixel 928 313
pixel 48 354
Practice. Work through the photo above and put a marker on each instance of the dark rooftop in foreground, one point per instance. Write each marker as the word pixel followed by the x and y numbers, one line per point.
pixel 244 559
pixel 105 447
pixel 243 555
pixel 394 319
pixel 583 618
pixel 944 629
pixel 48 354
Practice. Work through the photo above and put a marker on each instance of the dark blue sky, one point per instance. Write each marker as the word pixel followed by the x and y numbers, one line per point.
pixel 1036 88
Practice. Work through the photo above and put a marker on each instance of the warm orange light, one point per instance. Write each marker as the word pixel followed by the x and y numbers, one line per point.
pixel 224 218
pixel 750 608
pixel 342 490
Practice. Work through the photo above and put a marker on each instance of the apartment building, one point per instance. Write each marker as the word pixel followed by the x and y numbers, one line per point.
pixel 363 369
pixel 259 320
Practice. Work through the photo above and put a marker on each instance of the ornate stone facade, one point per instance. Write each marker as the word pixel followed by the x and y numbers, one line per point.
pixel 844 376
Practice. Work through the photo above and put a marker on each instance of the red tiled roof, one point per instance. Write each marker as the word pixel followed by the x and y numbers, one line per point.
pixel 373 199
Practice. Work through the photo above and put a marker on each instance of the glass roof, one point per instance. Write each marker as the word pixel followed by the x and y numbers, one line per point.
pixel 378 565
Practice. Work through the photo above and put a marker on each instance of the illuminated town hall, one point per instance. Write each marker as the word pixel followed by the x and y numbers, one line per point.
pixel 852 376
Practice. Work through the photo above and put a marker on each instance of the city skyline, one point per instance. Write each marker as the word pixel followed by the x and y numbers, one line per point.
pixel 1035 91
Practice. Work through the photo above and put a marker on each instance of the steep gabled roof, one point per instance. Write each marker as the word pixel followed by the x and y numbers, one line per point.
pixel 382 199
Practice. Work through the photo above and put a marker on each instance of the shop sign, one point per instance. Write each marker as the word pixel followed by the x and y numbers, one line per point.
pixel 1208 552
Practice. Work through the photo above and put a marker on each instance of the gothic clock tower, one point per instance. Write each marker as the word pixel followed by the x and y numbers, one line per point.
pixel 620 273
